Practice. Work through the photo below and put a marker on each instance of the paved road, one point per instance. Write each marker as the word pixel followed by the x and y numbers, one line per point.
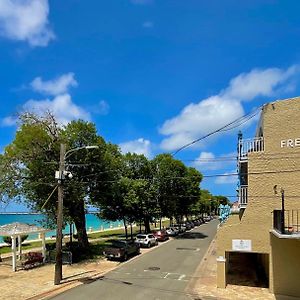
pixel 160 274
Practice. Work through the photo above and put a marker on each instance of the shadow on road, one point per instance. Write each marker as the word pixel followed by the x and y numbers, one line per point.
pixel 191 236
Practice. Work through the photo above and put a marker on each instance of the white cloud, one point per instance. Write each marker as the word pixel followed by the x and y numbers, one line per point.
pixel 26 20
pixel 139 146
pixel 59 85
pixel 198 119
pixel 228 178
pixel 148 24
pixel 208 161
pixel 8 121
pixel 102 108
pixel 61 106
pixel 257 82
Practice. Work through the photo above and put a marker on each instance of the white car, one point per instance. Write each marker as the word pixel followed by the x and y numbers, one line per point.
pixel 146 240
pixel 172 231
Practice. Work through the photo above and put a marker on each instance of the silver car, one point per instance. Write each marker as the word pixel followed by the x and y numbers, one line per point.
pixel 146 240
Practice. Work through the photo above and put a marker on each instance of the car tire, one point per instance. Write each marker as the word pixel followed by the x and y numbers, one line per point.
pixel 125 257
pixel 156 243
pixel 149 245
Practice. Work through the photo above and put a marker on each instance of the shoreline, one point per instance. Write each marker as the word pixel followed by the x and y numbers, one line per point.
pixel 67 235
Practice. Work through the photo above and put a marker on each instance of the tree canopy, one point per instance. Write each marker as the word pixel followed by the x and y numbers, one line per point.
pixel 127 187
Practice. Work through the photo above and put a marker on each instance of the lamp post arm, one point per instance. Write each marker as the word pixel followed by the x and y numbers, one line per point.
pixel 71 151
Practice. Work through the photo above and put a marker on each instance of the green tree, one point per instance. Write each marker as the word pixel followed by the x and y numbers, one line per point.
pixel 33 159
pixel 177 186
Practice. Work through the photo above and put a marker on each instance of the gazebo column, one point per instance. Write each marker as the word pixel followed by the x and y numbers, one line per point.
pixel 43 245
pixel 14 253
pixel 19 247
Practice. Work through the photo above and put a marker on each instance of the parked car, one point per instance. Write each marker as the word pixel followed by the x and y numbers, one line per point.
pixel 161 235
pixel 172 231
pixel 180 227
pixel 122 249
pixel 175 229
pixel 146 240
pixel 190 223
pixel 187 226
pixel 196 222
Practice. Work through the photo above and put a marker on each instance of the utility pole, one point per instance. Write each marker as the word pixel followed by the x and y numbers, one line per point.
pixel 58 259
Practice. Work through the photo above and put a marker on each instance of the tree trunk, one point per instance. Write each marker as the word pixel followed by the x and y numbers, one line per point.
pixel 131 231
pixel 147 224
pixel 125 226
pixel 78 215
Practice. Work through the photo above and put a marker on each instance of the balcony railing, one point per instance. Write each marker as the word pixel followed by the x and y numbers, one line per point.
pixel 243 196
pixel 291 224
pixel 250 145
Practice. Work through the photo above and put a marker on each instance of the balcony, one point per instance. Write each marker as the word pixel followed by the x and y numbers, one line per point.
pixel 291 227
pixel 243 196
pixel 246 146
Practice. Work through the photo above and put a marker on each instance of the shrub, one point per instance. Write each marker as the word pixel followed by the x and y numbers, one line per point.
pixel 8 240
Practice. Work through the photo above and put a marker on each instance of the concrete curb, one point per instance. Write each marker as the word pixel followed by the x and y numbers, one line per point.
pixel 190 288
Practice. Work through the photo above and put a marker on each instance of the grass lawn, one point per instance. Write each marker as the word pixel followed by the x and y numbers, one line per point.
pixel 120 233
pixel 27 246
pixel 96 247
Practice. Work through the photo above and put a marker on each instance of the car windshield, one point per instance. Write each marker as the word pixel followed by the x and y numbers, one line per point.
pixel 140 236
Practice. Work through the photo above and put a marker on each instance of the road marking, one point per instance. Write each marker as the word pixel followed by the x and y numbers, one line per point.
pixel 167 275
pixel 181 277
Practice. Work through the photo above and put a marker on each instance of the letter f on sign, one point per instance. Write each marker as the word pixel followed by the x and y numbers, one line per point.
pixel 283 143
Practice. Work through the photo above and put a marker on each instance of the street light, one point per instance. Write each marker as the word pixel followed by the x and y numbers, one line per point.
pixel 60 175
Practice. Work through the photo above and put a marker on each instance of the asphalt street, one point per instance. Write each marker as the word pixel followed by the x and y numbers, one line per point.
pixel 160 274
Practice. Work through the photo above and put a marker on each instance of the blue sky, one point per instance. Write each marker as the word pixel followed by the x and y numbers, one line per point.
pixel 152 74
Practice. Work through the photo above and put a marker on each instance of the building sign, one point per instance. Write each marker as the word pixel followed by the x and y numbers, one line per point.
pixel 241 245
pixel 290 143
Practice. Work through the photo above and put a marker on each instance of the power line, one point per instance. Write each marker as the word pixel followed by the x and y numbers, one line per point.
pixel 239 120
pixel 203 176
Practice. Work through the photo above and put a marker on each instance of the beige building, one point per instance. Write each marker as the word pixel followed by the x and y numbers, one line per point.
pixel 260 246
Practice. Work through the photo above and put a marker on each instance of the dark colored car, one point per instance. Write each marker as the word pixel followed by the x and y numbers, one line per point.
pixel 122 249
pixel 197 222
pixel 191 224
pixel 161 235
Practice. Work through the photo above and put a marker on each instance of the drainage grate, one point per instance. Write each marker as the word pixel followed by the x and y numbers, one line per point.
pixel 192 249
pixel 153 268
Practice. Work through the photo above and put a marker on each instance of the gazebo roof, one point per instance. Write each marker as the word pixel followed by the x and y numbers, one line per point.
pixel 17 228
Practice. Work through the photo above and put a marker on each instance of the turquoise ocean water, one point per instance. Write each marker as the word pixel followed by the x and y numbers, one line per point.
pixel 92 222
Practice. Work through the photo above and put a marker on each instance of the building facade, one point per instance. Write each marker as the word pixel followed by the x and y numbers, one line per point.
pixel 260 245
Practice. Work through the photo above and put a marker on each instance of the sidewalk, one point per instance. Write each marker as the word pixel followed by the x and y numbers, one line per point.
pixel 37 283
pixel 204 284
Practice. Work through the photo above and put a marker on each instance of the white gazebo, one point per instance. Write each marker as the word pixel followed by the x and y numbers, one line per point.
pixel 15 231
